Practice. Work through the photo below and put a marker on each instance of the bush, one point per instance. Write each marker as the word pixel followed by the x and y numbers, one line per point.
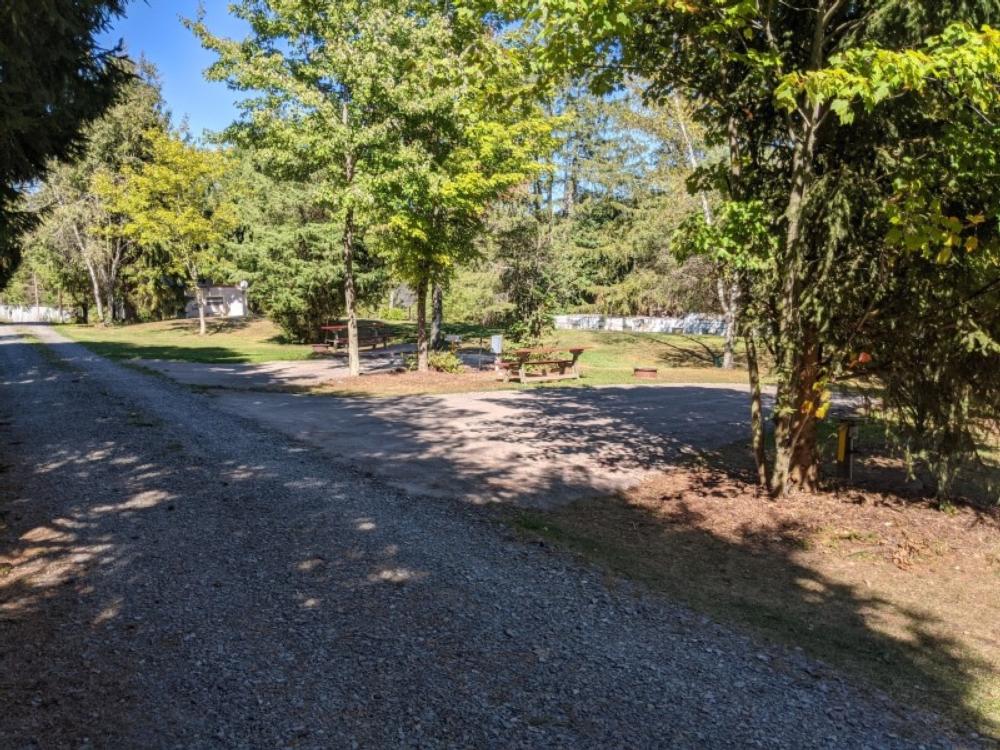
pixel 438 361
pixel 446 362
pixel 392 314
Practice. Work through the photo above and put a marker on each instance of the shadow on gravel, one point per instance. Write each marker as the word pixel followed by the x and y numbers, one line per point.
pixel 203 354
pixel 761 580
pixel 539 447
pixel 137 574
pixel 98 537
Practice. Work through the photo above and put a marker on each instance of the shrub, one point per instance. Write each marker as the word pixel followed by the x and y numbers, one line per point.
pixel 392 313
pixel 438 361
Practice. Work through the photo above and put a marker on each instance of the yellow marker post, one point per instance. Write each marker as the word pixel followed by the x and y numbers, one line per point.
pixel 844 449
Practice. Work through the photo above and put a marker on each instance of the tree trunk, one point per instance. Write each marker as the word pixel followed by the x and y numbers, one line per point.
pixel 200 295
pixel 350 301
pixel 796 462
pixel 570 189
pixel 691 154
pixel 423 358
pixel 728 294
pixel 96 287
pixel 757 415
pixel 729 299
pixel 437 316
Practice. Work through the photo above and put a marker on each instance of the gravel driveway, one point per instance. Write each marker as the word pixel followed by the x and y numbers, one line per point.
pixel 538 448
pixel 181 578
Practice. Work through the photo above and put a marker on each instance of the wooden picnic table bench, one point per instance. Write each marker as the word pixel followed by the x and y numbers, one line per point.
pixel 523 360
pixel 336 337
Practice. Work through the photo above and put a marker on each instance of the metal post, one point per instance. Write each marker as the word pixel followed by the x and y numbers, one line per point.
pixel 845 449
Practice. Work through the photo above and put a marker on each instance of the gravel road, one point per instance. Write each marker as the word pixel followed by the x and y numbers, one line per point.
pixel 177 577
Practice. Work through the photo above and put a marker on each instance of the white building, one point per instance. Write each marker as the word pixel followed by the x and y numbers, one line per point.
pixel 222 302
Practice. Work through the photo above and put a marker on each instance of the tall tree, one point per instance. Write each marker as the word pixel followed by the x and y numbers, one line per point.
pixel 288 247
pixel 480 143
pixel 175 202
pixel 55 78
pixel 75 222
pixel 819 180
pixel 334 85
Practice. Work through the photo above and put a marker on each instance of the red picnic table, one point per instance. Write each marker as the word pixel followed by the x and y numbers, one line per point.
pixel 368 335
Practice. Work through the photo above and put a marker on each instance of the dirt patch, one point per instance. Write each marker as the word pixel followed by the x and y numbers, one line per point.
pixel 889 588
pixel 411 383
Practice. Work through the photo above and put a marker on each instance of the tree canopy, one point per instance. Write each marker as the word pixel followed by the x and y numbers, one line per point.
pixel 54 78
pixel 846 124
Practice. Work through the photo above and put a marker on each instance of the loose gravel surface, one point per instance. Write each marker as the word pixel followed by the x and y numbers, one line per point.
pixel 177 577
pixel 538 448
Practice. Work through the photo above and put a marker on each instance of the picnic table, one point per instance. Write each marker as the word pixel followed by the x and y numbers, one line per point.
pixel 553 363
pixel 336 337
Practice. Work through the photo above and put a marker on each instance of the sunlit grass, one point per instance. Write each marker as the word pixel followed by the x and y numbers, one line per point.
pixel 609 359
pixel 225 342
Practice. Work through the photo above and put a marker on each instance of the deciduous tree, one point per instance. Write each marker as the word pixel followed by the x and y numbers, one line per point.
pixel 175 202
pixel 821 179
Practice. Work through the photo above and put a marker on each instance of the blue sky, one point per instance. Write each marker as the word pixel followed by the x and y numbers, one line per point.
pixel 153 28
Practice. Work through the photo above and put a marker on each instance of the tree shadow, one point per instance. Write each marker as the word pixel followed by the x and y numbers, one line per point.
pixel 760 581
pixel 161 580
pixel 535 447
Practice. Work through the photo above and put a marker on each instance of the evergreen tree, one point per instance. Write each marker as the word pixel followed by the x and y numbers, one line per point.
pixel 54 78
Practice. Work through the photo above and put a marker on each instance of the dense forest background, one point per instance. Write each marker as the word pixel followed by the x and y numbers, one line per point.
pixel 592 232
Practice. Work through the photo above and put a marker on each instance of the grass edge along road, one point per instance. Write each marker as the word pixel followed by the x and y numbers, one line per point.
pixel 609 359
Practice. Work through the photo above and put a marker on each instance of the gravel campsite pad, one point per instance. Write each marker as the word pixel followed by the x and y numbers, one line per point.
pixel 172 575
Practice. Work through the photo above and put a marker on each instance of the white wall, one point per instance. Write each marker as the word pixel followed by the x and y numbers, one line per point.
pixel 691 324
pixel 32 314
pixel 223 302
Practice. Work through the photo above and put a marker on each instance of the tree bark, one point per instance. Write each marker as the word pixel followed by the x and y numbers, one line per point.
pixel 423 356
pixel 437 317
pixel 728 293
pixel 729 299
pixel 757 435
pixel 199 295
pixel 96 287
pixel 91 271
pixel 350 300
pixel 796 464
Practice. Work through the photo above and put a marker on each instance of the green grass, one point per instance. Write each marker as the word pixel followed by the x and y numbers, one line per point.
pixel 225 342
pixel 609 359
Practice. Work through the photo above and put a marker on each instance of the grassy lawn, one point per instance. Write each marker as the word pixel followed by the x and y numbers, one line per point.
pixel 609 359
pixel 888 588
pixel 226 341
